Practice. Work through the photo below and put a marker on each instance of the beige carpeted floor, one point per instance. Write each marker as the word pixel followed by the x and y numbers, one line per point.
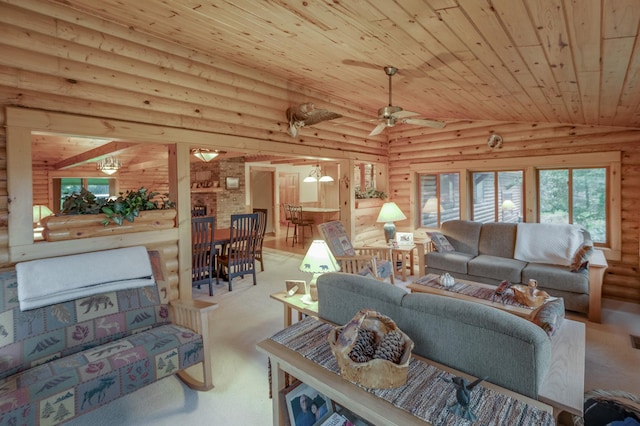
pixel 247 315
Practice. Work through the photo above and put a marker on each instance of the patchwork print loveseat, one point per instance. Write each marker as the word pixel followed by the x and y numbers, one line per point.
pixel 61 361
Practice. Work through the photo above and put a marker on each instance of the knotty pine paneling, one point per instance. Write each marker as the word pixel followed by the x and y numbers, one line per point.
pixel 464 142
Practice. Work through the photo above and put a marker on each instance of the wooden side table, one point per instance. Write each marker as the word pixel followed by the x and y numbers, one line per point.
pixel 404 254
pixel 292 303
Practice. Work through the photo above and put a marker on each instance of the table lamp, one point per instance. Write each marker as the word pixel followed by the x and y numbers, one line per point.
pixel 318 261
pixel 389 213
pixel 40 212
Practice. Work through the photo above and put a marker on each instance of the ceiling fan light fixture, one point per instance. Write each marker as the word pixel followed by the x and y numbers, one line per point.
pixel 109 165
pixel 204 154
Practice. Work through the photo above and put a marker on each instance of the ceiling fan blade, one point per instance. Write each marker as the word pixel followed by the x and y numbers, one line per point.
pixel 378 129
pixel 425 122
pixel 404 114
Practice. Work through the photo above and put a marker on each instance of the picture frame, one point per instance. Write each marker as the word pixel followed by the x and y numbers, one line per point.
pixel 233 183
pixel 301 284
pixel 290 398
pixel 404 238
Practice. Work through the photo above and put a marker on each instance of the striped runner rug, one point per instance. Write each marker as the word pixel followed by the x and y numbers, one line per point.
pixel 428 393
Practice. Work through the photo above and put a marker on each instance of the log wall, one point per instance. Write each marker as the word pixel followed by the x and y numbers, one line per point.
pixel 55 59
pixel 468 141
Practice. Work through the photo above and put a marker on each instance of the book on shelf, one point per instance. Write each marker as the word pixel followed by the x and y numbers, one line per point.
pixel 336 419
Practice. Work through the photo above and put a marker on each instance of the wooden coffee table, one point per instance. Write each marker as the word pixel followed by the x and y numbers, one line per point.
pixel 524 312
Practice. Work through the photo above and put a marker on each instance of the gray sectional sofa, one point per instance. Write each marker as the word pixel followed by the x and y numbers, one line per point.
pixel 485 253
pixel 470 337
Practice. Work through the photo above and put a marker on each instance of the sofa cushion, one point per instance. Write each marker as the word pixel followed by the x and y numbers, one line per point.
pixel 69 327
pixel 440 242
pixel 555 277
pixel 451 261
pixel 581 257
pixel 338 290
pixel 463 235
pixel 498 239
pixel 73 385
pixel 498 268
pixel 549 317
pixel 440 326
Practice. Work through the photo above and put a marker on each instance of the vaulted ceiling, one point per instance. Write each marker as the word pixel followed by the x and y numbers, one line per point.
pixel 560 61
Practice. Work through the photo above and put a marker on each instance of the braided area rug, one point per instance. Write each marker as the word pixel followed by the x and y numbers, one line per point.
pixel 428 393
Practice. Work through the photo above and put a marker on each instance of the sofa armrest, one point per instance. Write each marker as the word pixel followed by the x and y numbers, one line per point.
pixel 194 315
pixel 597 268
pixel 563 386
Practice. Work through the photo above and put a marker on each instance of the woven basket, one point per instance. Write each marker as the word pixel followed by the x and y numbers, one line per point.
pixel 376 373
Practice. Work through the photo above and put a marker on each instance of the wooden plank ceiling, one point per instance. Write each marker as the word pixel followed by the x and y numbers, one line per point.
pixel 560 61
pixel 575 62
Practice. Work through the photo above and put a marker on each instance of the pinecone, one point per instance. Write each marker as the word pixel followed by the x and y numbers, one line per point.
pixel 364 347
pixel 390 347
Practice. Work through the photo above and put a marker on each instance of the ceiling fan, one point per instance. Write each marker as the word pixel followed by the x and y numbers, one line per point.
pixel 391 115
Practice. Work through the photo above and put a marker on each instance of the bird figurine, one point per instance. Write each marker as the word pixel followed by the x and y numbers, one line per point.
pixel 463 395
pixel 306 115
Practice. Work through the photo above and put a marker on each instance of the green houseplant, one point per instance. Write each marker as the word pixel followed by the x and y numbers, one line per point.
pixel 127 206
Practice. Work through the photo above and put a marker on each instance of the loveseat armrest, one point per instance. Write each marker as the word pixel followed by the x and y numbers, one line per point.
pixel 194 315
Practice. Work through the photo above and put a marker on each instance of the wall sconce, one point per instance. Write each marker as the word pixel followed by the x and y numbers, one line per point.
pixel 109 165
pixel 204 154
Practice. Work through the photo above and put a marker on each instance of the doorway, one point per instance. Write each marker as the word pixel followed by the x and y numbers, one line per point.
pixel 262 195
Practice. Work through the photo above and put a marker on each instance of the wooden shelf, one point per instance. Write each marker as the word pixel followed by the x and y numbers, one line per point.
pixel 206 190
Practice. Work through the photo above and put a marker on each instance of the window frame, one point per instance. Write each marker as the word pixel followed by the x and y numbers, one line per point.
pixel 612 160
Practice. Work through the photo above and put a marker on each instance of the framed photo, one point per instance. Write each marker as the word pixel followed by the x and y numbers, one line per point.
pixel 303 405
pixel 404 238
pixel 300 284
pixel 233 183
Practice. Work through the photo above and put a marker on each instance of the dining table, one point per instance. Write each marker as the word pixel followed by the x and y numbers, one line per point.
pixel 320 214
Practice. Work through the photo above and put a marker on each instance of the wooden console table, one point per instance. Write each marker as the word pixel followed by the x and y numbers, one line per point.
pixel 302 351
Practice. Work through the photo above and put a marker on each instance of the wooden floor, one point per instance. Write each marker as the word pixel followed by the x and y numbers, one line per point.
pixel 271 241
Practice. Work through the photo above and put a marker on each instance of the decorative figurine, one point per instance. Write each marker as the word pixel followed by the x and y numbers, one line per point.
pixel 463 395
pixel 446 280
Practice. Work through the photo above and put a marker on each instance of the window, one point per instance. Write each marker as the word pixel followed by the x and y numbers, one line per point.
pixel 575 195
pixel 497 196
pixel 578 188
pixel 100 187
pixel 439 198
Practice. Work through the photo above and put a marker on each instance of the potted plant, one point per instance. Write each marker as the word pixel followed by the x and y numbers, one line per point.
pixel 84 216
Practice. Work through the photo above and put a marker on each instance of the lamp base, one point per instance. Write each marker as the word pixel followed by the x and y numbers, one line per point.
pixel 389 231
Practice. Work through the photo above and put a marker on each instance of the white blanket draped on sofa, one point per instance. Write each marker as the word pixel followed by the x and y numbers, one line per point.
pixel 547 243
pixel 55 280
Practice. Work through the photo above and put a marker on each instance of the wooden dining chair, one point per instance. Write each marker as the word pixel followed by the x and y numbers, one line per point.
pixel 203 253
pixel 300 223
pixel 198 211
pixel 287 216
pixel 239 259
pixel 262 227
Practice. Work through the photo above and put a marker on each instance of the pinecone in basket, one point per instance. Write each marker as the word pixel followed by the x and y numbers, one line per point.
pixel 390 347
pixel 364 347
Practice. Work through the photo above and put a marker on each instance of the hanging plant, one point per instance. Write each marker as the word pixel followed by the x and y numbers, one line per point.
pixel 370 193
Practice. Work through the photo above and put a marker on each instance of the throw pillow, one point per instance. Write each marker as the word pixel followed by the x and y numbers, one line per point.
pixel 581 258
pixel 440 242
pixel 549 317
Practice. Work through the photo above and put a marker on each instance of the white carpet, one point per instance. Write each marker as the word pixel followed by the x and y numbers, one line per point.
pixel 247 315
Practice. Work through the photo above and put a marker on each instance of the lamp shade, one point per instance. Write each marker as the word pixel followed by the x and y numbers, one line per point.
pixel 204 154
pixel 508 205
pixel 39 212
pixel 431 206
pixel 390 212
pixel 319 259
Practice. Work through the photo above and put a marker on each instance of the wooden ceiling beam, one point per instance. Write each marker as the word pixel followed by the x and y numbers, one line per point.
pixel 95 154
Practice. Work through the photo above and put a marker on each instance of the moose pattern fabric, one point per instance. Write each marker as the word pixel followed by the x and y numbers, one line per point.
pixel 59 361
